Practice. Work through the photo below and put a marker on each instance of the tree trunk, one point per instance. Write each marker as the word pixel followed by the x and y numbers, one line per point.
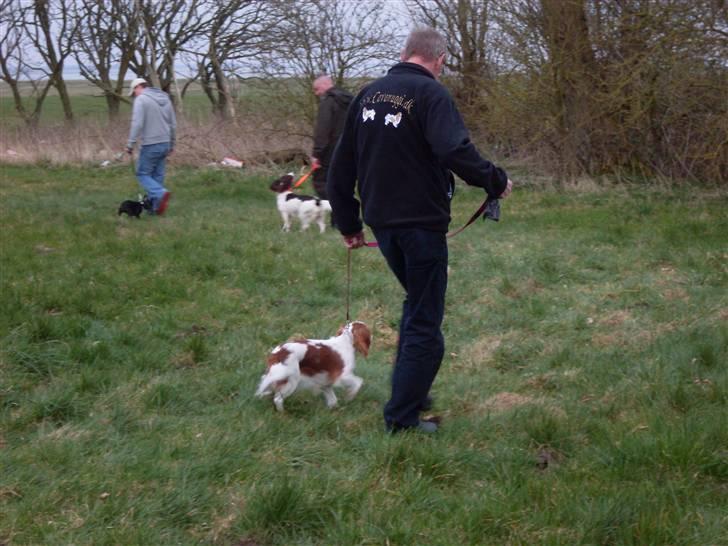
pixel 150 65
pixel 53 59
pixel 225 103
pixel 573 67
pixel 60 85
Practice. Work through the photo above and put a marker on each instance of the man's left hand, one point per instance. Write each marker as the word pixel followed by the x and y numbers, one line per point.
pixel 129 151
pixel 507 191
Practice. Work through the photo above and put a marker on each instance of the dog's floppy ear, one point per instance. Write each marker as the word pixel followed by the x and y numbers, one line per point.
pixel 362 337
pixel 282 184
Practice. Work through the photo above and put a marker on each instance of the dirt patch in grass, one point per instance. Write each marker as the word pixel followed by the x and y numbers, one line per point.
pixel 528 287
pixel 497 403
pixel 487 296
pixel 504 401
pixel 615 335
pixel 607 340
pixel 384 336
pixel 476 354
pixel 67 432
pixel 673 294
pixel 222 523
pixel 616 318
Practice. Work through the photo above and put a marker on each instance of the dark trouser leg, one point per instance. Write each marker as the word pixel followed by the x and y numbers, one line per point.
pixel 418 258
pixel 319 184
pixel 319 181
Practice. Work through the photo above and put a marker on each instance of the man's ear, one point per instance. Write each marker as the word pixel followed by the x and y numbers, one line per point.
pixel 439 65
pixel 401 56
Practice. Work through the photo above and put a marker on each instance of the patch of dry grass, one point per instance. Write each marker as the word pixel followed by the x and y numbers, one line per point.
pixel 254 141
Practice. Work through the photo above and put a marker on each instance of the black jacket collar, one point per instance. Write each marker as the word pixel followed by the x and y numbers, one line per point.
pixel 410 68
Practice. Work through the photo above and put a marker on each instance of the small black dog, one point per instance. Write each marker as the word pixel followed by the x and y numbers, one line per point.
pixel 135 208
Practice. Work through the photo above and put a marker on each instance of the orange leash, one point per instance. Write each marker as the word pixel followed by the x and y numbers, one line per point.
pixel 304 177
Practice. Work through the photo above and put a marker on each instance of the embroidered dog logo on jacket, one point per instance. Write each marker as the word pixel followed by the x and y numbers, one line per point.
pixel 394 120
pixel 368 114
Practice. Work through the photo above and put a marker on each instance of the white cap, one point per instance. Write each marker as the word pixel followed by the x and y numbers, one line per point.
pixel 134 83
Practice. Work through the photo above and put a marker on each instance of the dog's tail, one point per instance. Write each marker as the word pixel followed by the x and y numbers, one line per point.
pixel 276 374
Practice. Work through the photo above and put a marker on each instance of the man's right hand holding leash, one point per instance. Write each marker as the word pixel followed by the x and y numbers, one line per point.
pixel 354 241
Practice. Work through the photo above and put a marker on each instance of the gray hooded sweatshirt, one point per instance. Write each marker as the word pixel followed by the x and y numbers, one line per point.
pixel 152 119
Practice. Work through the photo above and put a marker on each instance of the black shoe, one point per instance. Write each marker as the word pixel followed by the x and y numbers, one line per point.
pixel 425 427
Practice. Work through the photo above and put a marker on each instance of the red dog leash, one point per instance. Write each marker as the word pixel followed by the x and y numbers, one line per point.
pixel 473 218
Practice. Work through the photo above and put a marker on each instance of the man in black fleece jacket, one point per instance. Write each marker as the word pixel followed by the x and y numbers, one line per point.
pixel 402 140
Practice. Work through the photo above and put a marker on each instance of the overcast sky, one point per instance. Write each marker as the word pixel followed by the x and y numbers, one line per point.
pixel 398 12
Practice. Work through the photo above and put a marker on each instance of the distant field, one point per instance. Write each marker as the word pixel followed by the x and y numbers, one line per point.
pixel 584 389
pixel 263 126
pixel 88 104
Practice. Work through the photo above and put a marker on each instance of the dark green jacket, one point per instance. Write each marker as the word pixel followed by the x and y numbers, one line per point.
pixel 329 123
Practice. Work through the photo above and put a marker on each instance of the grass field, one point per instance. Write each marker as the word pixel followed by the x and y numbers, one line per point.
pixel 584 390
pixel 201 137
pixel 88 105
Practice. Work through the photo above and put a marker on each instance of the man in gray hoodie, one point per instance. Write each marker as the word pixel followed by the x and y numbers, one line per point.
pixel 153 121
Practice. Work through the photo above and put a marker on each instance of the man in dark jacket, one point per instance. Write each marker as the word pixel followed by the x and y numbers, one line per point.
pixel 402 138
pixel 329 124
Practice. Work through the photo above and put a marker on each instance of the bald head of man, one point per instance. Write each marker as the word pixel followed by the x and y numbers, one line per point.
pixel 322 84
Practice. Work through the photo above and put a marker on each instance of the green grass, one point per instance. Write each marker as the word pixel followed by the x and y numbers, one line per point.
pixel 585 330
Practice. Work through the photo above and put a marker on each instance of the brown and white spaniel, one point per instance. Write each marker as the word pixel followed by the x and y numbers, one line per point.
pixel 305 207
pixel 316 364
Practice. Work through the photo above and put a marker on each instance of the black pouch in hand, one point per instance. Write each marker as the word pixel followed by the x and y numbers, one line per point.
pixel 492 209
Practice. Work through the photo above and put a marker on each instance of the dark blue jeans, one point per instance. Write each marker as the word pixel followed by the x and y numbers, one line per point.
pixel 418 258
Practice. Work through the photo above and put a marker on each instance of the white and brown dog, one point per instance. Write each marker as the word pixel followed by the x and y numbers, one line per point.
pixel 316 364
pixel 307 208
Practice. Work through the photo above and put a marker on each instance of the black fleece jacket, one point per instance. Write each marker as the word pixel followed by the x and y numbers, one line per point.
pixel 402 138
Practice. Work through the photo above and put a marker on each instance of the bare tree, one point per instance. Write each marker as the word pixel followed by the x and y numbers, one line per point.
pixel 629 86
pixel 165 29
pixel 347 40
pixel 237 30
pixel 49 28
pixel 473 50
pixel 105 42
pixel 13 66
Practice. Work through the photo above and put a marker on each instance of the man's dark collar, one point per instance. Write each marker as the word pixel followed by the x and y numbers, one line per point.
pixel 405 66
